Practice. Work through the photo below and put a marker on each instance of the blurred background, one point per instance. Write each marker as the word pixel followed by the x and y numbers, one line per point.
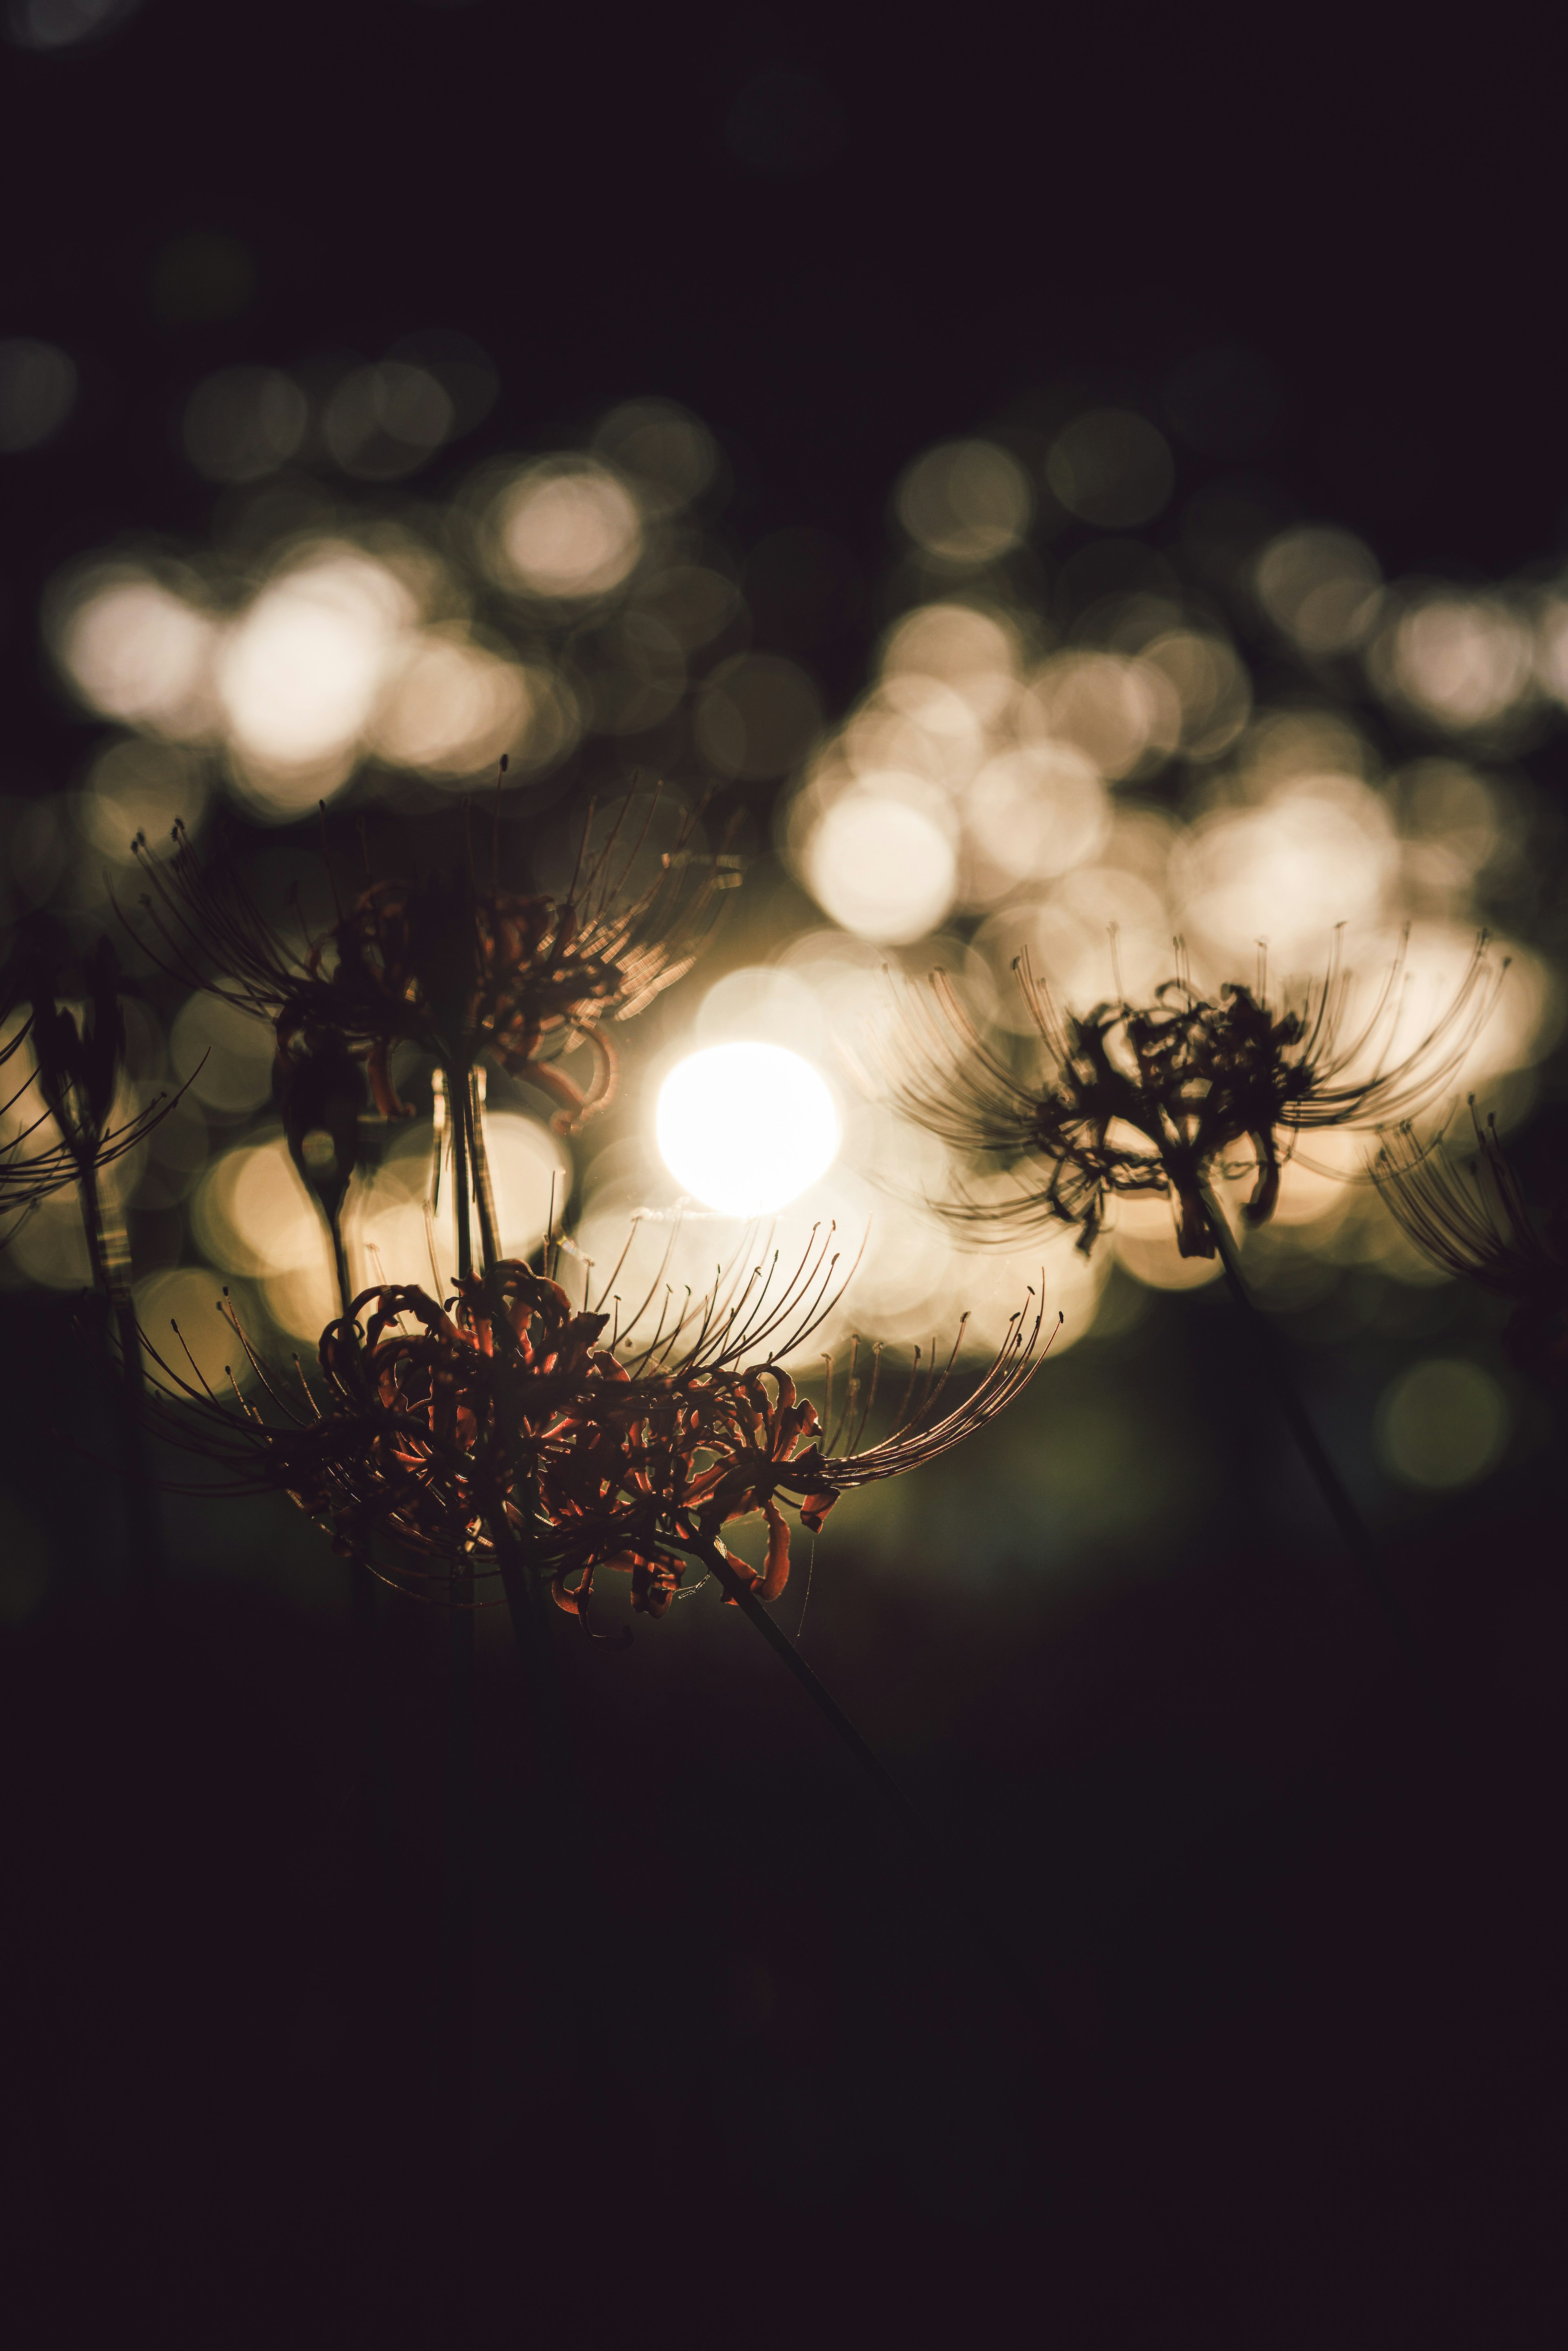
pixel 1029 488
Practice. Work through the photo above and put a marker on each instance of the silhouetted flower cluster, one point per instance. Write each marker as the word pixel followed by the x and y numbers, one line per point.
pixel 501 1432
pixel 446 964
pixel 1156 1098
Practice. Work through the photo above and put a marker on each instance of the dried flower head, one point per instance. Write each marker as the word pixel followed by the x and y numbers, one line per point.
pixel 1476 1225
pixel 1154 1098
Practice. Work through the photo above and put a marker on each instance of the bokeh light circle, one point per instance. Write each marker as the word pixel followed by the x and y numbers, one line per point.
pixel 746 1127
pixel 1443 1424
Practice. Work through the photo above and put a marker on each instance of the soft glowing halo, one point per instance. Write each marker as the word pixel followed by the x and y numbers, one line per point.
pixel 746 1127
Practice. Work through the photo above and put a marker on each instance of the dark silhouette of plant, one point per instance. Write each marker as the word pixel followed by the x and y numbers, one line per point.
pixel 1157 1098
pixel 1476 1225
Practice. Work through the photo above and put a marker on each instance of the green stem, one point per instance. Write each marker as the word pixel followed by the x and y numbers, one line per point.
pixel 1353 1532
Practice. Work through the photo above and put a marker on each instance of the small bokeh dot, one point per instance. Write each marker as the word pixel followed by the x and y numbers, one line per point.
pixel 1443 1424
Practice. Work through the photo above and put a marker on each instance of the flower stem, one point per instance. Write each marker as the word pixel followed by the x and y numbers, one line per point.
pixel 340 1264
pixel 1353 1532
pixel 458 1095
pixel 479 1160
pixel 454 2051
pixel 455 2065
pixel 108 1253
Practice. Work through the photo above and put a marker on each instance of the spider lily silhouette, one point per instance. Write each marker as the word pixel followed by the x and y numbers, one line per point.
pixel 446 964
pixel 1154 1098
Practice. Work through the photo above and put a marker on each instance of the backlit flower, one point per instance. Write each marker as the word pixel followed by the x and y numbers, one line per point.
pixel 449 964
pixel 1156 1098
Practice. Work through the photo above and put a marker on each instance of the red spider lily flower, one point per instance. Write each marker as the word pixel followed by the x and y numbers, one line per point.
pixel 451 967
pixel 500 1430
pixel 1478 1226
pixel 1153 1098
pixel 678 1470
pixel 442 1427
pixel 431 1424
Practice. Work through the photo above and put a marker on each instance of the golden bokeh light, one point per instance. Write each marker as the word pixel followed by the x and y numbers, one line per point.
pixel 1443 1424
pixel 882 859
pixel 1323 587
pixel 974 652
pixel 1210 684
pixel 304 669
pixel 1143 1238
pixel 663 448
pixel 1032 815
pixel 565 529
pixel 453 707
pixel 1112 467
pixel 1320 851
pixel 1460 662
pixel 136 651
pixel 763 1002
pixel 747 1126
pixel 1120 714
pixel 966 502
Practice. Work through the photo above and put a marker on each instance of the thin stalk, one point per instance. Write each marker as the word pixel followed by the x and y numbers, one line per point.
pixel 340 1265
pixel 1353 1532
pixel 456 2027
pixel 555 1830
pixel 484 1197
pixel 109 1255
pixel 459 1085
pixel 457 1994
pixel 365 1631
pixel 943 1871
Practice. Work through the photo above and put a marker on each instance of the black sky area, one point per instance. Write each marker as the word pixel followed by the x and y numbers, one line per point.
pixel 1287 2066
pixel 1002 200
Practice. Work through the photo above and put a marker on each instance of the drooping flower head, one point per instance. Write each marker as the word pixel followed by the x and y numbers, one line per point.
pixel 1156 1098
pixel 1476 1225
pixel 78 1066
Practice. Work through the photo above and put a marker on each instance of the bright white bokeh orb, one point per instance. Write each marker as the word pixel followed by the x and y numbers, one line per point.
pixel 746 1127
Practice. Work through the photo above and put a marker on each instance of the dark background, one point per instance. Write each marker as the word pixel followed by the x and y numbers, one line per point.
pixel 1287 2061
